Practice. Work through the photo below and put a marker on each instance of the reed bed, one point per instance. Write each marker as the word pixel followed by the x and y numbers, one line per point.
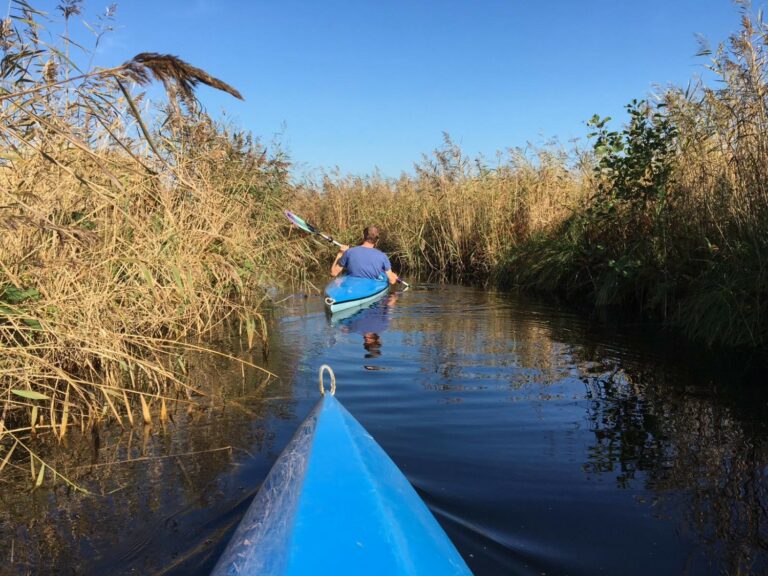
pixel 457 218
pixel 676 224
pixel 127 234
pixel 666 217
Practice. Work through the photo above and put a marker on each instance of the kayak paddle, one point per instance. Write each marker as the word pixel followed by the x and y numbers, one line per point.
pixel 307 227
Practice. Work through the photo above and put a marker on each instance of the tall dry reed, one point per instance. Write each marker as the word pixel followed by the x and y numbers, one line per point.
pixel 667 217
pixel 675 225
pixel 127 234
pixel 456 218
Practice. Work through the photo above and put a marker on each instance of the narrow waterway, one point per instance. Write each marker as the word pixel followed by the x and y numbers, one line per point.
pixel 543 443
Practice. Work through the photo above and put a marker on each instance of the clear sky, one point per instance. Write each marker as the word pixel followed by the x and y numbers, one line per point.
pixel 361 84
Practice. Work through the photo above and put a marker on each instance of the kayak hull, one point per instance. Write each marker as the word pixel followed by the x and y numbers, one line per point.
pixel 345 292
pixel 335 503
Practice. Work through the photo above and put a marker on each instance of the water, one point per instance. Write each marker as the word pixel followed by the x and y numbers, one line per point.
pixel 543 444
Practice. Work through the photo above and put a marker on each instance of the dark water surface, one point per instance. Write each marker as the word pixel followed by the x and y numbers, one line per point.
pixel 543 444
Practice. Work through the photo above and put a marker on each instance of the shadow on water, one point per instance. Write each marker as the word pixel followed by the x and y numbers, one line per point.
pixel 543 444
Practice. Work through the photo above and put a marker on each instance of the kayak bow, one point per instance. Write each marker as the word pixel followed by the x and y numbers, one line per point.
pixel 335 503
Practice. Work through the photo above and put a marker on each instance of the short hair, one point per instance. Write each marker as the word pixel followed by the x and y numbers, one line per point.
pixel 371 234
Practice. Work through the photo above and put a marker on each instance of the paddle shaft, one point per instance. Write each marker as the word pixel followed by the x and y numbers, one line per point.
pixel 328 238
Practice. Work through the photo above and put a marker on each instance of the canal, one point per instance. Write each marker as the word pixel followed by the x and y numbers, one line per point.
pixel 544 443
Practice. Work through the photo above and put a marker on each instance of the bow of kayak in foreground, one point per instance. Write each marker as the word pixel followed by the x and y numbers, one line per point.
pixel 335 503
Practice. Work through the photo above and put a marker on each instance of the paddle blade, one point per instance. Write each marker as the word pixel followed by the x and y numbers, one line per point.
pixel 299 222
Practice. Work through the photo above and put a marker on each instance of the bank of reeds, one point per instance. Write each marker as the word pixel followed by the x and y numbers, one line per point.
pixel 457 218
pixel 667 217
pixel 127 234
pixel 676 226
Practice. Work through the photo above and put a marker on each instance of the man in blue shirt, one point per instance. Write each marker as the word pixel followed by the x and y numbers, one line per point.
pixel 364 261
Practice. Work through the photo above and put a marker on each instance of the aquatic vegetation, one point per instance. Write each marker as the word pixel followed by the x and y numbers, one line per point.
pixel 664 218
pixel 127 234
pixel 676 224
pixel 456 218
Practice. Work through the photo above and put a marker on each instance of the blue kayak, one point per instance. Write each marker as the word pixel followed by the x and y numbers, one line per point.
pixel 335 503
pixel 345 292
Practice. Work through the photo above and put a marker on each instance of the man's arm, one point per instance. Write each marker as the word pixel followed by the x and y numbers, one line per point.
pixel 391 276
pixel 335 267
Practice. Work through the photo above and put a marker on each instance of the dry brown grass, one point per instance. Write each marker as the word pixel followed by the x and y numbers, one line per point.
pixel 456 219
pixel 125 237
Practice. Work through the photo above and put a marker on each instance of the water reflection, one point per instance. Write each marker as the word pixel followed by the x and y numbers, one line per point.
pixel 161 496
pixel 702 460
pixel 369 322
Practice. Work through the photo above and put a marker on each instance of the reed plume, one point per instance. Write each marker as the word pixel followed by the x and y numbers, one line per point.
pixel 168 69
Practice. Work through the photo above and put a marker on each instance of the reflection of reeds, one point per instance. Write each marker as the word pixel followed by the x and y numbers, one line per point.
pixel 146 472
pixel 121 238
pixel 650 431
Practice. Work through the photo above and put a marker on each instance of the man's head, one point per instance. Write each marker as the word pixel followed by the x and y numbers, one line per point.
pixel 372 344
pixel 371 234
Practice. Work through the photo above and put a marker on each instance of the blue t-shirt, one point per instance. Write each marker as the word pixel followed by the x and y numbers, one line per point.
pixel 365 262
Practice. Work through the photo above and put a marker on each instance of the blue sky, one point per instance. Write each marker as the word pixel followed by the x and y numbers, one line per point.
pixel 364 84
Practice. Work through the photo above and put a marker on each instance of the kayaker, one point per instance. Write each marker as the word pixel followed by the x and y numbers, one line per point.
pixel 365 260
